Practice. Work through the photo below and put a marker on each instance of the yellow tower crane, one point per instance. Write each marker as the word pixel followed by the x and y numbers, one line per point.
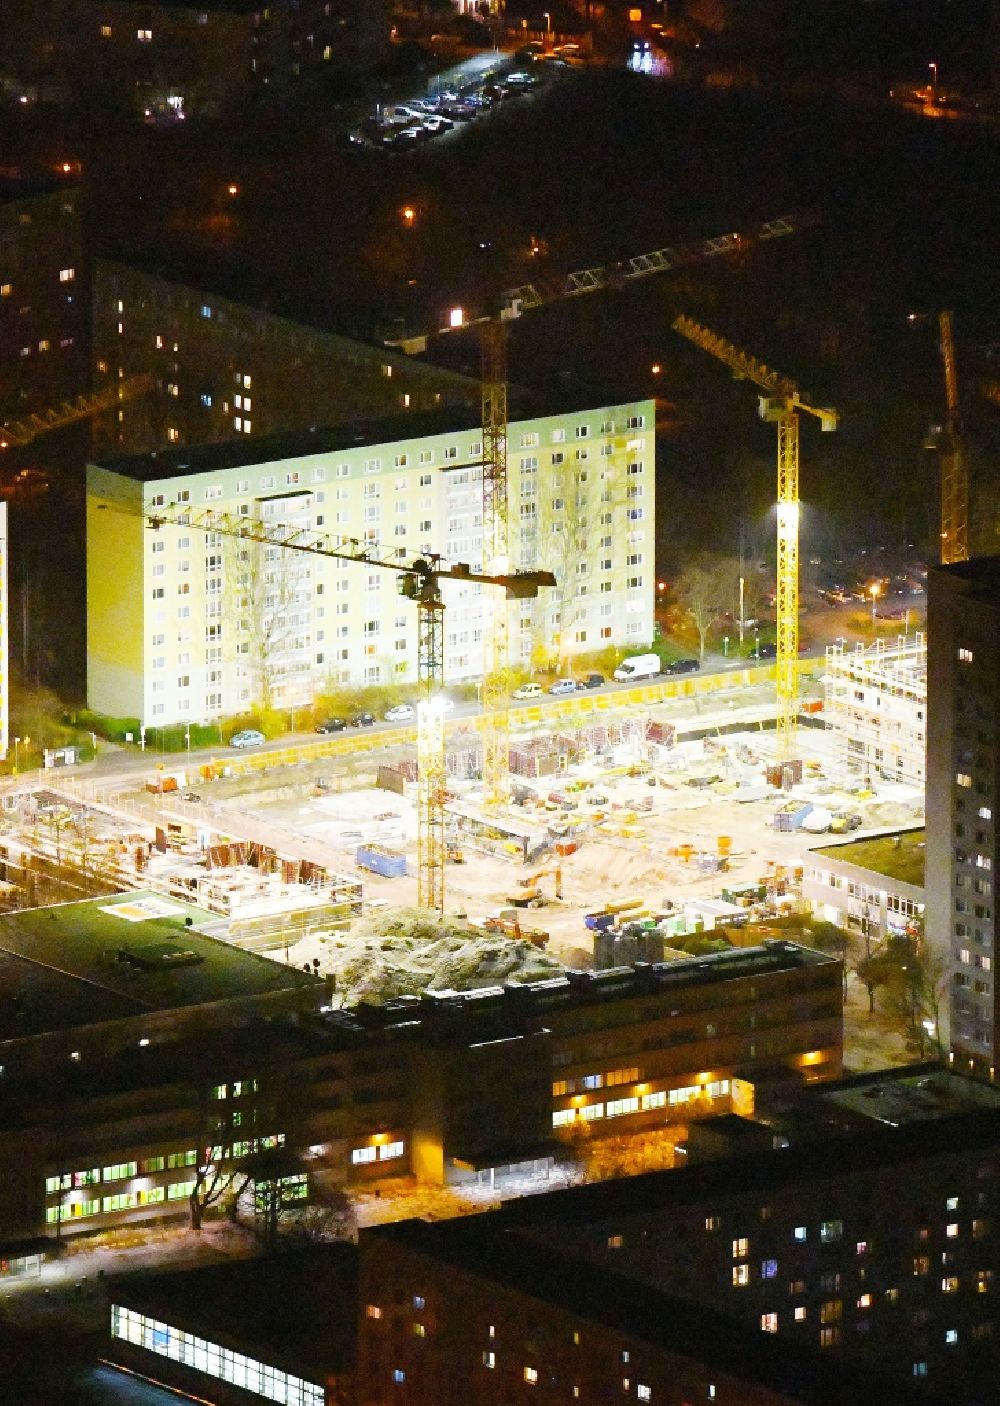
pixel 781 406
pixel 495 722
pixel 954 469
pixel 420 581
pixel 15 433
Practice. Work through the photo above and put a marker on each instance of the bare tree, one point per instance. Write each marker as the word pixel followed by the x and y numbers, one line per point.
pixel 262 588
pixel 703 590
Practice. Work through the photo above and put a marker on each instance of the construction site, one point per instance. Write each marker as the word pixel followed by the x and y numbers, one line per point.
pixel 645 824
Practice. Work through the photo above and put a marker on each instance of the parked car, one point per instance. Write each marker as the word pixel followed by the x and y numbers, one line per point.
pixel 591 681
pixel 247 737
pixel 362 720
pixel 683 666
pixel 563 686
pixel 401 713
pixel 528 690
pixel 766 651
pixel 437 122
pixel 332 725
pixel 520 80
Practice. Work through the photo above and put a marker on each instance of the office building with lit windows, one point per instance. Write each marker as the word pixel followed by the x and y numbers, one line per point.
pixel 963 792
pixel 186 624
pixel 136 1049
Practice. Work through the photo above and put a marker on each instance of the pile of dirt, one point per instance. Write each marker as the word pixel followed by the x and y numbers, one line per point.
pixel 405 951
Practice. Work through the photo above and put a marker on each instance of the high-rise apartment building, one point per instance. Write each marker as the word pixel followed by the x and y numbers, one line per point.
pixel 226 370
pixel 963 791
pixel 188 625
pixel 44 298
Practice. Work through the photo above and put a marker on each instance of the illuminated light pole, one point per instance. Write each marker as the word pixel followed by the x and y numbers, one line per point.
pixel 874 588
pixel 742 584
pixel 933 69
pixel 17 743
pixel 548 28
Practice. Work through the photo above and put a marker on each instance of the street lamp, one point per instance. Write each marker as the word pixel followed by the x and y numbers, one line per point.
pixel 875 587
pixel 933 72
pixel 17 743
pixel 548 27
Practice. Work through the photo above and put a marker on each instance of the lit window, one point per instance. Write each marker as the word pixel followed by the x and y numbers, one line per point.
pixel 965 656
pixel 67 275
pixel 800 1315
pixel 144 36
pixel 768 1322
pixel 769 1269
pixel 740 1248
pixel 951 1230
pixel 531 1375
pixel 644 1393
pixel 489 1359
pixel 373 1311
pixel 741 1276
pixel 951 1335
pixel 399 1375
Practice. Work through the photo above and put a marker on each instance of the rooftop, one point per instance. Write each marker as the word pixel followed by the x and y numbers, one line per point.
pixel 899 855
pixel 900 1099
pixel 293 444
pixel 978 578
pixel 296 1309
pixel 109 958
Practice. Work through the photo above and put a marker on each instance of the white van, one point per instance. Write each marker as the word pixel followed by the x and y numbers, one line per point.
pixel 528 690
pixel 640 666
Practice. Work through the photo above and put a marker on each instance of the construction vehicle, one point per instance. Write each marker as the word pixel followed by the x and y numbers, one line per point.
pixel 495 721
pixel 508 922
pixel 419 580
pixel 781 406
pixel 533 897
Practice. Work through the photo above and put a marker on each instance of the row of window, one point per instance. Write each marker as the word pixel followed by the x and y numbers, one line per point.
pixel 248 1373
pixel 382 1152
pixel 121 1201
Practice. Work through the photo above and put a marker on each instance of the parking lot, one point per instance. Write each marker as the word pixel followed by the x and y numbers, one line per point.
pixel 461 96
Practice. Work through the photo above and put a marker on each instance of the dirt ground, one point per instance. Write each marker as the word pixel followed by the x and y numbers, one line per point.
pixel 629 854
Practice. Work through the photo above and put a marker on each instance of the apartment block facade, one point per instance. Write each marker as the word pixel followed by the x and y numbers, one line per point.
pixel 224 370
pixel 963 792
pixel 191 625
pixel 44 299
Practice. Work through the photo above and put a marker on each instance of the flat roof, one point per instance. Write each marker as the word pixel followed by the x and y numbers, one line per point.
pixel 900 1098
pixel 485 1246
pixel 297 1309
pixel 108 958
pixel 899 855
pixel 979 577
pixel 319 439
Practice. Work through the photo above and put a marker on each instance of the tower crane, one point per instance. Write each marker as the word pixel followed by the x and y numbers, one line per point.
pixel 781 406
pixel 511 304
pixel 420 581
pixel 15 433
pixel 954 468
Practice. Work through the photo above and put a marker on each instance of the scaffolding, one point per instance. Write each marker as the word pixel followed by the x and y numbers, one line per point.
pixel 876 701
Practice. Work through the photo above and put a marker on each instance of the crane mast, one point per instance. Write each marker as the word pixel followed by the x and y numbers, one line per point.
pixel 781 407
pixel 954 469
pixel 420 581
pixel 496 541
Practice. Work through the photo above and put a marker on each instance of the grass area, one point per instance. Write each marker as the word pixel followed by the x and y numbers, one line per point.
pixel 899 856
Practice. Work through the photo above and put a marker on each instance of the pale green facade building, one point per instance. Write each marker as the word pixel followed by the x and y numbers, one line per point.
pixel 189 626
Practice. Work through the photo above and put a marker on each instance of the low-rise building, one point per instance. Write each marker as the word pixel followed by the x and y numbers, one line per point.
pixel 873 886
pixel 190 623
pixel 162 1067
